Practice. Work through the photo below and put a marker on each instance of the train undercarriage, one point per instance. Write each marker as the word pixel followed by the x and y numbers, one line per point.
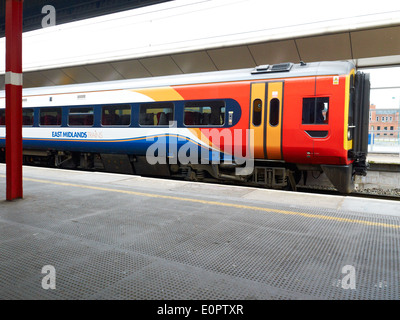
pixel 266 174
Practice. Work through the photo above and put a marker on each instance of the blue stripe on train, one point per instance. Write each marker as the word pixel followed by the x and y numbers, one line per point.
pixel 157 146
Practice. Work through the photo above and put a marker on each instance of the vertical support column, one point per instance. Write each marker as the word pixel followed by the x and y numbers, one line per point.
pixel 13 84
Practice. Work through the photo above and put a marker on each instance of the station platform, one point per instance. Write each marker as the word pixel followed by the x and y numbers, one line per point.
pixel 120 237
pixel 384 158
pixel 383 172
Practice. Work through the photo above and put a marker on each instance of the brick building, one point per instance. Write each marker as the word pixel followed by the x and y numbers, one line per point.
pixel 383 122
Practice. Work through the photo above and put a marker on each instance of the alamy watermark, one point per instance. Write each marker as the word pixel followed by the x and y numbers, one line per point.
pixel 49 280
pixel 225 145
pixel 349 279
pixel 50 19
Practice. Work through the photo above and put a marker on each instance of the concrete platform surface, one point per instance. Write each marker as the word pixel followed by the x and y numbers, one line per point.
pixel 111 236
pixel 384 158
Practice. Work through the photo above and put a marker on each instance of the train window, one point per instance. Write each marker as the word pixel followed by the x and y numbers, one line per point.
pixel 119 115
pixel 274 112
pixel 257 112
pixel 2 117
pixel 204 113
pixel 50 116
pixel 156 114
pixel 315 110
pixel 80 117
pixel 27 117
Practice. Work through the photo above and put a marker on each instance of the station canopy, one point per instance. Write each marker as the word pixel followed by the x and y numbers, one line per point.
pixel 70 10
pixel 116 40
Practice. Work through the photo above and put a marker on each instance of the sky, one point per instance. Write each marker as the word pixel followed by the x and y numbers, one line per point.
pixel 385 86
pixel 385 99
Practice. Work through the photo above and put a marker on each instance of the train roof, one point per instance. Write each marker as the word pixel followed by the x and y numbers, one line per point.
pixel 283 70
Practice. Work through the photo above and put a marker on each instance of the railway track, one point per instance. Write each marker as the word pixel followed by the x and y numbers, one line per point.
pixel 358 194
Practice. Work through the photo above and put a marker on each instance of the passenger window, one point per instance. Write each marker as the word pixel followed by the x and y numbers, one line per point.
pixel 257 112
pixel 80 117
pixel 156 114
pixel 50 116
pixel 2 117
pixel 274 112
pixel 315 110
pixel 116 115
pixel 27 117
pixel 204 113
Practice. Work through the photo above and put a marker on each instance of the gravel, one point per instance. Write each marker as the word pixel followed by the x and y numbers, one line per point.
pixel 382 192
pixel 395 192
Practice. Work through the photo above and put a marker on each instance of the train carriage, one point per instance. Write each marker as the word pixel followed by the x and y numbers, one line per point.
pixel 278 122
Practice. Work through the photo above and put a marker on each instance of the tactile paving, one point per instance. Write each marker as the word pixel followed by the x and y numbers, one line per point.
pixel 120 246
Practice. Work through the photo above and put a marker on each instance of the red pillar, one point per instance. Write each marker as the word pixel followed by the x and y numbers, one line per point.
pixel 13 84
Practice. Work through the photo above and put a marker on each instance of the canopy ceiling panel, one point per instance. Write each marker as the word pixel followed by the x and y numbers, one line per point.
pixel 275 52
pixel 56 76
pixel 376 42
pixel 79 74
pixel 131 69
pixel 328 47
pixel 366 48
pixel 104 72
pixel 160 66
pixel 193 62
pixel 232 58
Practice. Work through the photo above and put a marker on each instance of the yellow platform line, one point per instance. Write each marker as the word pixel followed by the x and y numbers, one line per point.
pixel 218 203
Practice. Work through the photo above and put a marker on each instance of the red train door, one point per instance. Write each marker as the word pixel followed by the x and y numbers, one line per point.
pixel 298 144
pixel 328 126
